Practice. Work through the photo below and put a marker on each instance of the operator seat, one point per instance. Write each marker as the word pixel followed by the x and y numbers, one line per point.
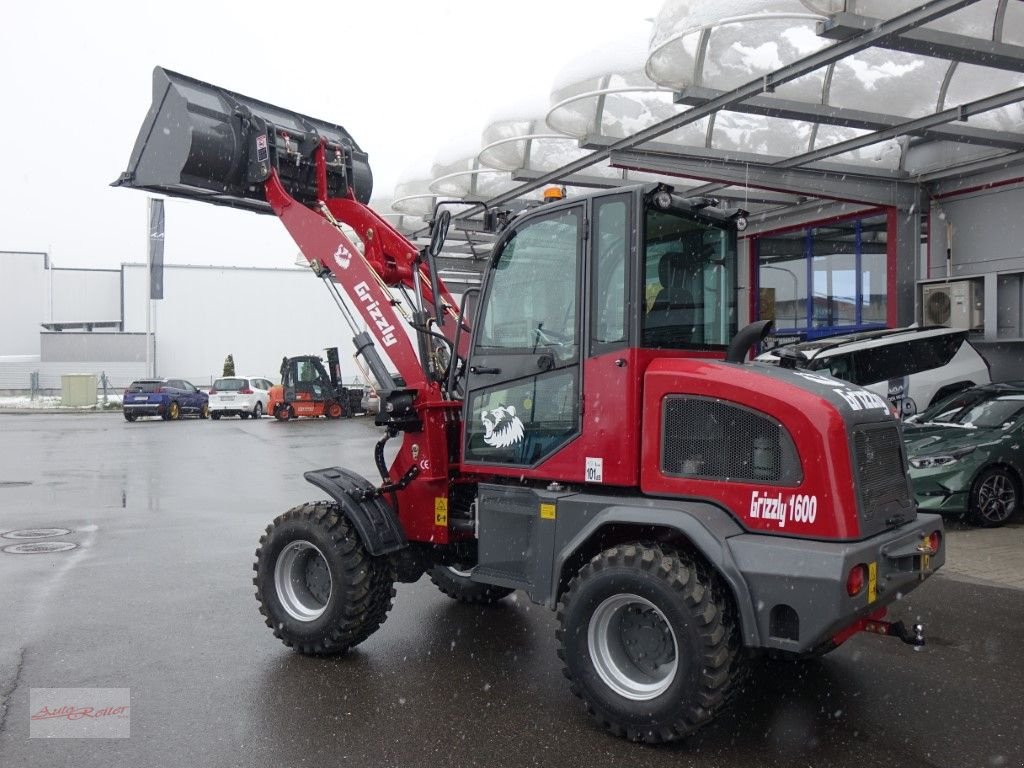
pixel 671 318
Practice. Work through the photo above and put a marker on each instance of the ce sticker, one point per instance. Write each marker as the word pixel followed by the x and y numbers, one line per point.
pixel 425 465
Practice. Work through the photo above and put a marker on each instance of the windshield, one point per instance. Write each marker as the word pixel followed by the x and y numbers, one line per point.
pixel 994 413
pixel 689 282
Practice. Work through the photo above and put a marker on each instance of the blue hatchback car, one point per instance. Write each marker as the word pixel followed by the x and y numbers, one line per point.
pixel 170 399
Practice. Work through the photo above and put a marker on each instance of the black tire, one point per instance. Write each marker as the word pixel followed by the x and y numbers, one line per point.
pixel 215 415
pixel 995 498
pixel 130 417
pixel 257 412
pixel 173 411
pixel 639 605
pixel 282 412
pixel 318 588
pixel 243 415
pixel 457 585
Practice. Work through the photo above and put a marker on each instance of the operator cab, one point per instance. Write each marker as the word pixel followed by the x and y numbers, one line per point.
pixel 580 296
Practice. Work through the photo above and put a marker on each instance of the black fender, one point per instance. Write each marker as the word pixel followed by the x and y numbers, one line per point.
pixel 374 521
pixel 706 526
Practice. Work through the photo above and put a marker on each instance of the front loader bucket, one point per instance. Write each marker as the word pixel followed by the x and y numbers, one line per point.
pixel 205 143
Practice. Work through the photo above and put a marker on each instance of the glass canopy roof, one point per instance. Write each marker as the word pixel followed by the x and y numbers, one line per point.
pixel 848 110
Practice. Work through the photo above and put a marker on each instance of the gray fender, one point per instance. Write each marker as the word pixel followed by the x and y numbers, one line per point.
pixel 374 521
pixel 705 525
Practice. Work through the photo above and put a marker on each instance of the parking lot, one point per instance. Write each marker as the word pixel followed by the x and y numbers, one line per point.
pixel 156 596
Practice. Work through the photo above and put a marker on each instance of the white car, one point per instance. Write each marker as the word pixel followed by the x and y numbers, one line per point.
pixel 911 367
pixel 242 396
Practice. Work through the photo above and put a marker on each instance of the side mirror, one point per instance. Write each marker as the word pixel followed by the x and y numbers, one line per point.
pixel 439 232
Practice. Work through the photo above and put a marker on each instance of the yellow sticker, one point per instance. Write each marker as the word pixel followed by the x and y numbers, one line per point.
pixel 547 511
pixel 872 582
pixel 441 511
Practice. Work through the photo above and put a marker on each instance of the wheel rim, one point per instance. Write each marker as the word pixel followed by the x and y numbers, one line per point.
pixel 257 411
pixel 303 581
pixel 633 647
pixel 174 410
pixel 997 498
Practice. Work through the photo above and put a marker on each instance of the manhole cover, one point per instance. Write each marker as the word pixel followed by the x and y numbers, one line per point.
pixel 13 483
pixel 35 533
pixel 39 548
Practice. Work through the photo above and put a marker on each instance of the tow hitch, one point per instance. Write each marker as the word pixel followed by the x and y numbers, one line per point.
pixel 914 635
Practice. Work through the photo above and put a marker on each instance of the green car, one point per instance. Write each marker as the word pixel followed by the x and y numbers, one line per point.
pixel 966 454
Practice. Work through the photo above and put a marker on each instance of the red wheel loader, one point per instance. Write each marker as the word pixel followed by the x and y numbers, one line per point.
pixel 614 457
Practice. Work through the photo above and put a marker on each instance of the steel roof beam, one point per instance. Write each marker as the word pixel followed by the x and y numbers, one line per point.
pixel 805 181
pixel 769 106
pixel 928 42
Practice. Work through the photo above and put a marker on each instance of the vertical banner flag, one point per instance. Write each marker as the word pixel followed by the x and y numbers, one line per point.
pixel 156 248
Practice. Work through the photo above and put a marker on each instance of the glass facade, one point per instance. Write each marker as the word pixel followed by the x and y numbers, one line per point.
pixel 824 280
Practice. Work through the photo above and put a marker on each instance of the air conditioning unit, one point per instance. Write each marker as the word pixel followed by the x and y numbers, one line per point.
pixel 959 304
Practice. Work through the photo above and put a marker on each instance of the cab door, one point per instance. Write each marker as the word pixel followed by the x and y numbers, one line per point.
pixel 523 386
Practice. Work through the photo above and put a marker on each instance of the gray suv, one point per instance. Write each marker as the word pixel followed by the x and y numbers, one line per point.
pixel 911 367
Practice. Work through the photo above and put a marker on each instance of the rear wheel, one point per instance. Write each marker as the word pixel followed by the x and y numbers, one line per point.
pixel 215 415
pixel 318 588
pixel 457 585
pixel 173 412
pixel 282 412
pixel 333 410
pixel 257 412
pixel 648 642
pixel 995 497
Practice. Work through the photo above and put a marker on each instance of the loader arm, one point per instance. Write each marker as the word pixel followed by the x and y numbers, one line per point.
pixel 205 143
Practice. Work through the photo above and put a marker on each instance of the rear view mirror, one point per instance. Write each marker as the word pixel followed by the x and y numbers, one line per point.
pixel 439 232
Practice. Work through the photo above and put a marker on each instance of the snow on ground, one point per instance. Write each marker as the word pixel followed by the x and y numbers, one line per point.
pixel 47 402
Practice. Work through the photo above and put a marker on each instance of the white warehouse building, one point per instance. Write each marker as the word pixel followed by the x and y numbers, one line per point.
pixel 93 321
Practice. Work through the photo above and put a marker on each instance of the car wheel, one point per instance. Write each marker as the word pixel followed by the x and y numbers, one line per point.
pixel 995 497
pixel 457 585
pixel 243 415
pixel 130 416
pixel 215 416
pixel 257 412
pixel 317 586
pixel 173 411
pixel 204 411
pixel 649 642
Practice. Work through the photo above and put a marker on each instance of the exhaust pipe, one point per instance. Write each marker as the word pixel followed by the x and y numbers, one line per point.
pixel 745 339
pixel 205 143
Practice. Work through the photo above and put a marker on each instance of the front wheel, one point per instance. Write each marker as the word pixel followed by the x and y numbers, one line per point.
pixel 318 588
pixel 282 412
pixel 333 410
pixel 648 642
pixel 130 417
pixel 995 497
pixel 173 412
pixel 204 411
pixel 458 586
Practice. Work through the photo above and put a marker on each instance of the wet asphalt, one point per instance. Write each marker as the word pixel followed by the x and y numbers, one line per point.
pixel 157 597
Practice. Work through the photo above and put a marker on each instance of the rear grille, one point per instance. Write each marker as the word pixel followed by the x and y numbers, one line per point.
pixel 881 475
pixel 711 439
